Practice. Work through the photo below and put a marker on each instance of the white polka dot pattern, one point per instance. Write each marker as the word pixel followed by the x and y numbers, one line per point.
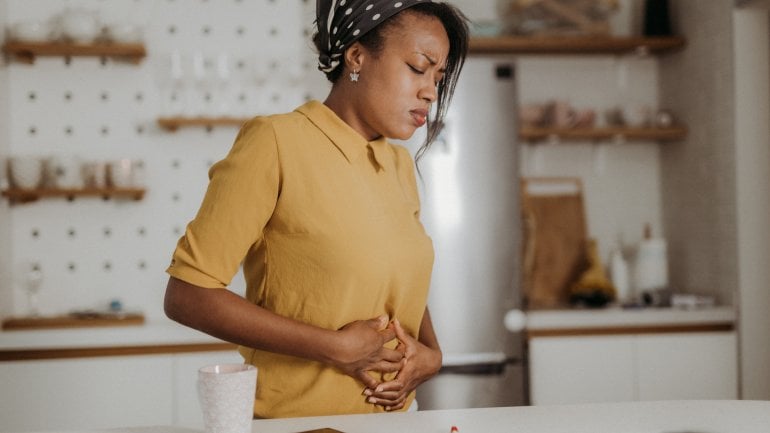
pixel 342 22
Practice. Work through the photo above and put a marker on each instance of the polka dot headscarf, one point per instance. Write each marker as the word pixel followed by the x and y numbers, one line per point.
pixel 342 22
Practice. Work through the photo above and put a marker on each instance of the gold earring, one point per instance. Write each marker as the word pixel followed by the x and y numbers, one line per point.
pixel 354 75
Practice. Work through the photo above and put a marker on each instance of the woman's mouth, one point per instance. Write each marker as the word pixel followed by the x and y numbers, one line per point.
pixel 419 116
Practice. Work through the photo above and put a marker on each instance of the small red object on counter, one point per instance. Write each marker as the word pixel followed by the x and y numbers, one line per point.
pixel 454 429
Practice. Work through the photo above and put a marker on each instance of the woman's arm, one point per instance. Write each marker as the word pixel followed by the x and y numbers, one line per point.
pixel 355 349
pixel 422 361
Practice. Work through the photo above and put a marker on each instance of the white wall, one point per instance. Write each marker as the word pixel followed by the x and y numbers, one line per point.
pixel 752 149
pixel 621 180
pixel 90 250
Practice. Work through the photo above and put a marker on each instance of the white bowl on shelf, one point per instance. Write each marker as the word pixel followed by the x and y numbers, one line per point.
pixel 25 172
pixel 29 31
pixel 124 33
pixel 79 25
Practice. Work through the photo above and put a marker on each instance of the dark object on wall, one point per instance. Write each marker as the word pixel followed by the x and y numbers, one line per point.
pixel 657 21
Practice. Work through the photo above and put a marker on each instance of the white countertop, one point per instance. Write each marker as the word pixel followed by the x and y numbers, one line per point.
pixel 166 332
pixel 634 417
pixel 151 333
pixel 619 317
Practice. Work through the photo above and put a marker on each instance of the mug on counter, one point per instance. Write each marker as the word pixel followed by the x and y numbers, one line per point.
pixel 226 393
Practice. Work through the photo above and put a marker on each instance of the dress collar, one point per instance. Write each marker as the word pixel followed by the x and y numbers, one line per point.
pixel 352 145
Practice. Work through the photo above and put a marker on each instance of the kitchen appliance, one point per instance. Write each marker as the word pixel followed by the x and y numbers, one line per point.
pixel 470 208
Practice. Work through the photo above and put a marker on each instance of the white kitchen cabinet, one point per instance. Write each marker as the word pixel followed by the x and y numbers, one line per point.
pixel 86 393
pixel 104 392
pixel 583 369
pixel 687 366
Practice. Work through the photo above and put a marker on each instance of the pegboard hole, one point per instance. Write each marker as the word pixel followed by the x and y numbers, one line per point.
pixel 104 96
pixel 105 131
pixel 71 266
pixel 171 30
pixel 176 163
pixel 68 96
pixel 142 265
pixel 141 231
pixel 176 197
pixel 32 130
pixel 107 266
pixel 69 130
pixel 35 233
pixel 107 232
pixel 32 96
pixel 139 130
pixel 139 97
pixel 71 233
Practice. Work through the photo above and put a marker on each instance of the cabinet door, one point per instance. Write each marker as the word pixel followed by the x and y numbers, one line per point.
pixel 187 412
pixel 90 393
pixel 687 366
pixel 587 369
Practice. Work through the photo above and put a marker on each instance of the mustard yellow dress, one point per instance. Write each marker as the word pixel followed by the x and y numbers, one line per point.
pixel 327 227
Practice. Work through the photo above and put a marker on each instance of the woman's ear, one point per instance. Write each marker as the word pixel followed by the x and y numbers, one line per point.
pixel 354 56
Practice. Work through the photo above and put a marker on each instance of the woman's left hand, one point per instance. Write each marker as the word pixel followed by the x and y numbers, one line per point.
pixel 420 364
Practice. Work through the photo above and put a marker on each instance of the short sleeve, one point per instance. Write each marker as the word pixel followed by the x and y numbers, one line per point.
pixel 241 196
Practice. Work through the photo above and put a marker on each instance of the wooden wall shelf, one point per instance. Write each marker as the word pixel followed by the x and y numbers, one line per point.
pixel 26 52
pixel 30 195
pixel 80 320
pixel 174 123
pixel 574 45
pixel 532 134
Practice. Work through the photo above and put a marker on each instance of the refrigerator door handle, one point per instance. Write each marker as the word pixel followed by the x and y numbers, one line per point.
pixel 477 363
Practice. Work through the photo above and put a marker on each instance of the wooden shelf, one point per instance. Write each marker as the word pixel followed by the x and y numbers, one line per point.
pixel 79 320
pixel 533 134
pixel 574 45
pixel 15 195
pixel 27 51
pixel 174 123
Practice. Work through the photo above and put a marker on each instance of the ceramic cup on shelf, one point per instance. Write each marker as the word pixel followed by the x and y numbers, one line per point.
pixel 226 394
pixel 94 174
pixel 25 172
pixel 120 173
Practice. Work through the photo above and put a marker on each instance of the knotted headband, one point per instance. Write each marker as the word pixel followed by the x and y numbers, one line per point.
pixel 342 22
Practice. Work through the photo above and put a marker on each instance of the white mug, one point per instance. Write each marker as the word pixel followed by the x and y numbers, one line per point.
pixel 226 394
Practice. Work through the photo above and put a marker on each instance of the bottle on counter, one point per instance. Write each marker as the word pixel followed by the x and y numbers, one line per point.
pixel 620 276
pixel 650 268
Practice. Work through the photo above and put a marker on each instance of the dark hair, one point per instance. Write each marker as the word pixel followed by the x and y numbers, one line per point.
pixel 456 26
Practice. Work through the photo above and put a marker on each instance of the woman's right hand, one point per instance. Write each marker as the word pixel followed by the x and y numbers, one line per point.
pixel 361 349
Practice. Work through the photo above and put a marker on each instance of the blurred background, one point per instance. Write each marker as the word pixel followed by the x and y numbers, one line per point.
pixel 654 113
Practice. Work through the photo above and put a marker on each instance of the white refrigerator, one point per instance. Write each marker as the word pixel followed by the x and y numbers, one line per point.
pixel 469 188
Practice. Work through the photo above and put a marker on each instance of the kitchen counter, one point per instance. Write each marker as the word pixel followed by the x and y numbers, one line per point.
pixel 729 416
pixel 163 336
pixel 616 320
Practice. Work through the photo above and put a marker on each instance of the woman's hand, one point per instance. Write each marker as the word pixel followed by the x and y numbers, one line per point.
pixel 420 364
pixel 361 350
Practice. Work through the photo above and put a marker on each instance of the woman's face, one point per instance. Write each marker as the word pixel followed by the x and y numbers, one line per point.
pixel 396 87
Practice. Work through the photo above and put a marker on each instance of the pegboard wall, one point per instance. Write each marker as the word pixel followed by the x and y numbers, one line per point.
pixel 211 57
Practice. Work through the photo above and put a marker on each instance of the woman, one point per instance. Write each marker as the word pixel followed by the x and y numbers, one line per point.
pixel 323 213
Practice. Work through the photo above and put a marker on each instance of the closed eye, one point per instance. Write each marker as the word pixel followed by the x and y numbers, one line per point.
pixel 415 70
